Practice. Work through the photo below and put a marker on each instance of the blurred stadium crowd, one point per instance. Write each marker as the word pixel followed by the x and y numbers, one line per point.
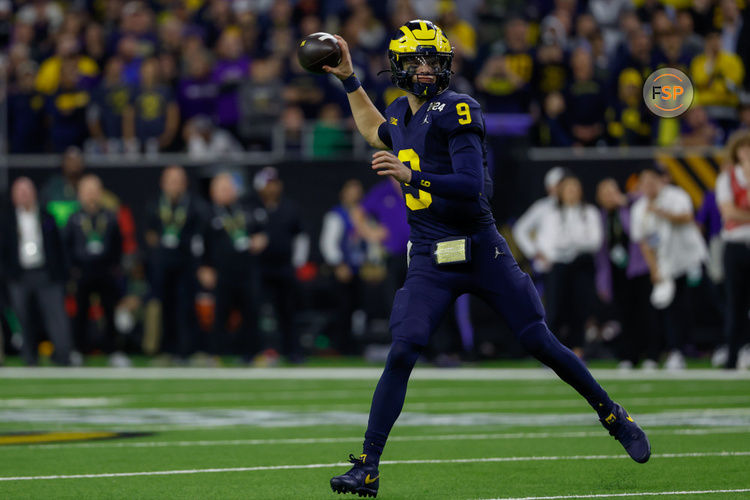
pixel 232 272
pixel 215 76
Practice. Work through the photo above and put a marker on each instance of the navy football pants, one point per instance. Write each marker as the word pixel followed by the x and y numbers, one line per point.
pixel 494 276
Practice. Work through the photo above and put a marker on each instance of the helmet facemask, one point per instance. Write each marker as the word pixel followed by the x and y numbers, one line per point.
pixel 407 68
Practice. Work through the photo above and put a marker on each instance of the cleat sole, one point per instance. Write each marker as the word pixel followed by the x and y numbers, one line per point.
pixel 362 492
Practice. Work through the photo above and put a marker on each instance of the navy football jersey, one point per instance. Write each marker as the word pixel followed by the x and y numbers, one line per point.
pixel 422 143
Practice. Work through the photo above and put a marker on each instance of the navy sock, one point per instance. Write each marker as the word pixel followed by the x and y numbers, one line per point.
pixel 544 346
pixel 389 396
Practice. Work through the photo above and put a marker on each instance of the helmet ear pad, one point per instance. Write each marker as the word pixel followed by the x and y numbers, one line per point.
pixel 404 80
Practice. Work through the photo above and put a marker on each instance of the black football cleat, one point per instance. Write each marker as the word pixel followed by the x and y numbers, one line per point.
pixel 362 479
pixel 626 431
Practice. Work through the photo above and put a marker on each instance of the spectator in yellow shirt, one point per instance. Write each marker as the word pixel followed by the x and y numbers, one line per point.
pixel 717 75
pixel 48 77
pixel 504 81
pixel 458 30
pixel 628 121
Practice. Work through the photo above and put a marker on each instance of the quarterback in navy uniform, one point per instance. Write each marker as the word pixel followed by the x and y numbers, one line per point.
pixel 439 157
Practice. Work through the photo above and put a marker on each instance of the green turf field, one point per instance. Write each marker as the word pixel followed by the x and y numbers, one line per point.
pixel 282 433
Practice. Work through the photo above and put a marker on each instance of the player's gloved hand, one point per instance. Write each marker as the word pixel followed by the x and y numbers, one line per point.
pixel 388 164
pixel 345 68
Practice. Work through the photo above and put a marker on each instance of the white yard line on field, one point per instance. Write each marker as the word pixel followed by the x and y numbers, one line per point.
pixel 302 401
pixel 150 418
pixel 353 374
pixel 89 402
pixel 384 462
pixel 355 439
pixel 621 495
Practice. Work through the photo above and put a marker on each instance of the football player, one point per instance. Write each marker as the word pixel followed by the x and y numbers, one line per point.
pixel 438 155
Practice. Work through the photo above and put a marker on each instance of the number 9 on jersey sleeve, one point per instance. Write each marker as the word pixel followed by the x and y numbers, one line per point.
pixel 464 113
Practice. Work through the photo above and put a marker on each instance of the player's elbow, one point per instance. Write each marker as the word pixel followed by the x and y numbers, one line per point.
pixel 373 139
pixel 375 142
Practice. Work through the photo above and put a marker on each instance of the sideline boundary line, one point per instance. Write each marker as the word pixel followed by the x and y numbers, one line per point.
pixel 421 373
pixel 385 462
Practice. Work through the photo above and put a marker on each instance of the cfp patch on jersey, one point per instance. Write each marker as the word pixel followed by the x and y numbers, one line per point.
pixel 454 250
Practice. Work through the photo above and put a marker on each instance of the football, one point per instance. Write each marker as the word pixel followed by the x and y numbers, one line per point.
pixel 317 50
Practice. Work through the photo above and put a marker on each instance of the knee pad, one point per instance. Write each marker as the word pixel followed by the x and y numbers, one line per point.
pixel 402 356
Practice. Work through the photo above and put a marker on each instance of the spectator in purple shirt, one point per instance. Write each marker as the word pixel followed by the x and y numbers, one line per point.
pixel 623 278
pixel 197 92
pixel 382 222
pixel 708 216
pixel 385 204
pixel 127 51
pixel 230 69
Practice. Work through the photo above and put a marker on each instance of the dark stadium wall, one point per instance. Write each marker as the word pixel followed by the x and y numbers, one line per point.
pixel 520 182
pixel 519 172
pixel 313 185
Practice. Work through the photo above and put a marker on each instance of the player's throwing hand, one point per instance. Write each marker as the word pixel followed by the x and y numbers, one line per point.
pixel 345 68
pixel 388 164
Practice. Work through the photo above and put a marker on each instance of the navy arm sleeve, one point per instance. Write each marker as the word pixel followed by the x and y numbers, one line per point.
pixel 467 178
pixel 385 134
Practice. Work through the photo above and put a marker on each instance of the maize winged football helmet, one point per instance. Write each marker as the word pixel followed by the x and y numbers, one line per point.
pixel 420 42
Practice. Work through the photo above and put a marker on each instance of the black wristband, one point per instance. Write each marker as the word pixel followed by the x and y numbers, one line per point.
pixel 351 83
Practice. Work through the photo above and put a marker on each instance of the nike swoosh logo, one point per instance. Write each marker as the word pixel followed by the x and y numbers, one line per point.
pixel 370 481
